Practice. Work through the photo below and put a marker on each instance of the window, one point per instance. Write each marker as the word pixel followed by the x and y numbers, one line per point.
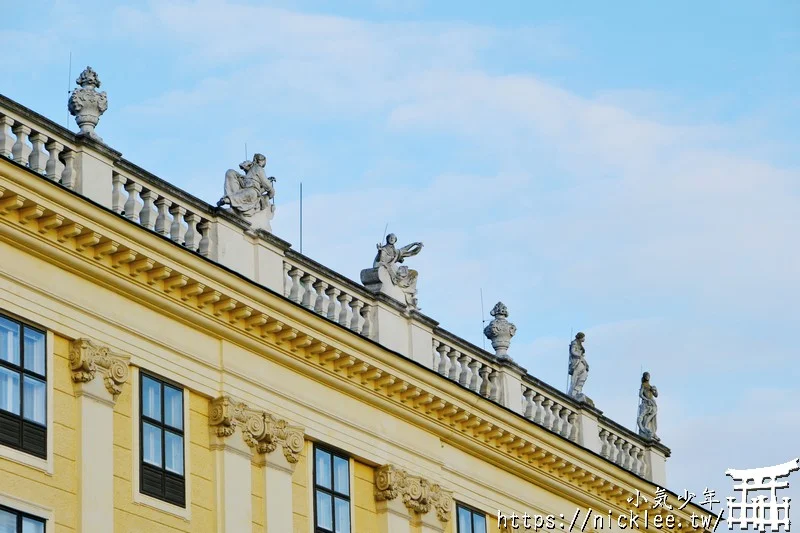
pixel 470 520
pixel 12 521
pixel 331 492
pixel 23 388
pixel 161 438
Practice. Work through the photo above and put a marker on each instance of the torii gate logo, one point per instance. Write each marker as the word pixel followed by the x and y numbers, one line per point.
pixel 761 511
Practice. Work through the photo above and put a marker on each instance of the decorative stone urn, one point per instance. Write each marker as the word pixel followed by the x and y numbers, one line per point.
pixel 87 104
pixel 500 330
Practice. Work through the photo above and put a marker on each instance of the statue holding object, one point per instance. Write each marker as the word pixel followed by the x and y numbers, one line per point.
pixel 388 276
pixel 251 195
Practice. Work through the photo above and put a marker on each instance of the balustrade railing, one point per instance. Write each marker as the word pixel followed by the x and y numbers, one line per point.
pixel 349 306
pixel 467 368
pixel 622 449
pixel 550 412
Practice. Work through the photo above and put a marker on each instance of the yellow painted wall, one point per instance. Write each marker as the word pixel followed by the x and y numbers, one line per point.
pixel 57 491
pixel 364 498
pixel 301 492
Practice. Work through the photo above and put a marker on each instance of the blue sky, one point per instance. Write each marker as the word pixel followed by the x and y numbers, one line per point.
pixel 629 170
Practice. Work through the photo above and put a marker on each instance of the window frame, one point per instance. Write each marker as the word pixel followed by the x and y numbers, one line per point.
pixel 22 515
pixel 163 427
pixel 334 453
pixel 22 372
pixel 472 513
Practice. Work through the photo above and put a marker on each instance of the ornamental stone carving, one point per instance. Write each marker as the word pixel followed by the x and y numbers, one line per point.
pixel 387 276
pixel 648 409
pixel 87 358
pixel 500 330
pixel 87 104
pixel 419 495
pixel 578 369
pixel 260 430
pixel 251 195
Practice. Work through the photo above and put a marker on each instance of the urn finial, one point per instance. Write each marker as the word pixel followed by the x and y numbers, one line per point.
pixel 86 104
pixel 500 330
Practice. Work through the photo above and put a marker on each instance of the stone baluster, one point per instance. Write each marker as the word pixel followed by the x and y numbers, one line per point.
pixel 163 222
pixel 117 198
pixel 453 355
pixel 474 365
pixel 355 321
pixel 574 431
pixel 604 442
pixel 634 459
pixel 565 426
pixel 192 240
pixel 463 378
pixel 177 230
pixel 287 280
pixel 366 327
pixel 204 227
pixel 319 302
pixel 642 470
pixel 37 161
pixel 344 308
pixel 294 293
pixel 494 392
pixel 443 350
pixel 333 297
pixel 6 139
pixel 68 176
pixel 435 355
pixel 20 151
pixel 54 166
pixel 616 449
pixel 537 400
pixel 485 388
pixel 132 204
pixel 527 395
pixel 547 419
pixel 307 281
pixel 626 455
pixel 556 426
pixel 147 216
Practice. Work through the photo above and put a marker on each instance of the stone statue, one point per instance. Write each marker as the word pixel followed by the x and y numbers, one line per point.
pixel 500 330
pixel 86 104
pixel 578 367
pixel 386 270
pixel 249 194
pixel 648 409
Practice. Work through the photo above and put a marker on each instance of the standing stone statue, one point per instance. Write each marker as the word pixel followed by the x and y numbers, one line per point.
pixel 578 367
pixel 386 272
pixel 250 195
pixel 500 330
pixel 648 409
pixel 86 104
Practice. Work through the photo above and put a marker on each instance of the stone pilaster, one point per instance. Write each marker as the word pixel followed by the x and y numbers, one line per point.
pixel 261 433
pixel 96 400
pixel 419 495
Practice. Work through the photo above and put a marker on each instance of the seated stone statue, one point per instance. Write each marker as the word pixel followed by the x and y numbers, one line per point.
pixel 386 268
pixel 249 194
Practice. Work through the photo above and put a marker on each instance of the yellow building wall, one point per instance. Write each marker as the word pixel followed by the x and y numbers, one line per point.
pixel 59 490
pixel 302 510
pixel 133 517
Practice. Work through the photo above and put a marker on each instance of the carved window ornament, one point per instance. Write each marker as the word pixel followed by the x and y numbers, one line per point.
pixel 86 358
pixel 260 430
pixel 419 494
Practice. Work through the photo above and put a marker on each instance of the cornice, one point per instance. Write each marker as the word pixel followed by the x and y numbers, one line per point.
pixel 108 249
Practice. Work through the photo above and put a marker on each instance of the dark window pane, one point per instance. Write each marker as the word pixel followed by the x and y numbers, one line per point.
pixel 324 511
pixel 9 390
pixel 8 522
pixel 464 521
pixel 478 523
pixel 32 526
pixel 151 444
pixel 151 398
pixel 173 453
pixel 341 475
pixel 9 341
pixel 34 351
pixel 173 407
pixel 35 398
pixel 342 516
pixel 323 468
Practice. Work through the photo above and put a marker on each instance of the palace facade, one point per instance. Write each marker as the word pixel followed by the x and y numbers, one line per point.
pixel 166 365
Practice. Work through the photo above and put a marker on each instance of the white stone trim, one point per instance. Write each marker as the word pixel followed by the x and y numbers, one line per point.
pixel 34 509
pixel 144 499
pixel 18 456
